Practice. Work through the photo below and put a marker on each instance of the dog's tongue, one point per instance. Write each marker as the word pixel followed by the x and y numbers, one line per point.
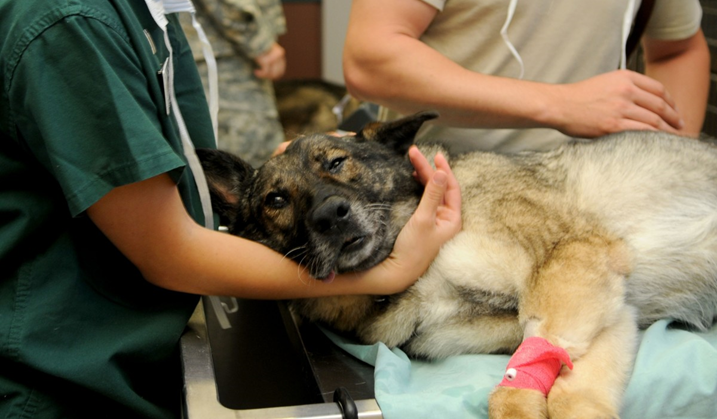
pixel 329 279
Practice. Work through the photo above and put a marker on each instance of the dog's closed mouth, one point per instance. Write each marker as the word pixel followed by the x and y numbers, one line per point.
pixel 354 243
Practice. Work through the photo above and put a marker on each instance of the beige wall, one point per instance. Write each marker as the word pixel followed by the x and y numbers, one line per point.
pixel 335 17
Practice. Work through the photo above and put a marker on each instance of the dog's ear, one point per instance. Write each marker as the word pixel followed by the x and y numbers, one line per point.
pixel 225 173
pixel 398 134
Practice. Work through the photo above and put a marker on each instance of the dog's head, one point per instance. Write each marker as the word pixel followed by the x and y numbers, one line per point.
pixel 332 204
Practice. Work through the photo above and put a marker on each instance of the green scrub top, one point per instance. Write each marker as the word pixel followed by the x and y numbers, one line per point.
pixel 82 111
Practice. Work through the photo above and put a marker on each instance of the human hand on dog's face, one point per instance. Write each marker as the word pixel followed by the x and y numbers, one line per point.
pixel 282 147
pixel 423 167
pixel 436 220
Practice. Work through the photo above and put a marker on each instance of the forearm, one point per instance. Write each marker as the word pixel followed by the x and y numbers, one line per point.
pixel 385 62
pixel 685 73
pixel 147 222
pixel 149 225
pixel 220 264
pixel 404 74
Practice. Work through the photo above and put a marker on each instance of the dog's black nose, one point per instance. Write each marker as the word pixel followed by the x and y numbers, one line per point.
pixel 332 214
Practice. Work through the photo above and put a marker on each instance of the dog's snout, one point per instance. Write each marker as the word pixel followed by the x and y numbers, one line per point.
pixel 332 213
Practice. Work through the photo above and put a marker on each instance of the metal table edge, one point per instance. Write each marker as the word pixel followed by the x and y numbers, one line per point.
pixel 200 399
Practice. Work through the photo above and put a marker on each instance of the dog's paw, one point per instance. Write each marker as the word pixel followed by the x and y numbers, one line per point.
pixel 515 403
pixel 578 405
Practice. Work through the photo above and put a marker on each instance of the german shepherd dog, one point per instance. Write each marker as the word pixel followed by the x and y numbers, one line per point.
pixel 580 246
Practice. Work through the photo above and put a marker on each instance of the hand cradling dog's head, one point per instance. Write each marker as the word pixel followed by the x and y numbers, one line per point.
pixel 332 204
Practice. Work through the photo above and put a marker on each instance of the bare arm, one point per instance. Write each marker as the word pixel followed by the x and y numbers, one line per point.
pixel 683 67
pixel 148 223
pixel 385 62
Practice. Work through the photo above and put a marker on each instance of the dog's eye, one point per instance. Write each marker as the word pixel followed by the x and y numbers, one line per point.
pixel 335 165
pixel 275 200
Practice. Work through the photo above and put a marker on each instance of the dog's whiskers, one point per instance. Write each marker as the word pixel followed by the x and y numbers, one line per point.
pixel 303 249
pixel 379 206
pixel 302 268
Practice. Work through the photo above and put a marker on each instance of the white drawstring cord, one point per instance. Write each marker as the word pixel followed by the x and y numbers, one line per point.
pixel 504 34
pixel 158 8
pixel 177 6
pixel 187 144
pixel 212 76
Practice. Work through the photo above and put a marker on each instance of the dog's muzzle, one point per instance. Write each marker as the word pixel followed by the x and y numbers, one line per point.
pixel 332 216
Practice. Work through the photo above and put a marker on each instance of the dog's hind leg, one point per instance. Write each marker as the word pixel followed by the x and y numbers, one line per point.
pixel 575 301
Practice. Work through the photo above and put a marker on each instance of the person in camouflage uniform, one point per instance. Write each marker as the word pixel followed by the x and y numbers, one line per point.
pixel 243 34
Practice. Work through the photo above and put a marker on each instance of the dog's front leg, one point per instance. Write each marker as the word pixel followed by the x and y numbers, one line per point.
pixel 574 303
pixel 594 387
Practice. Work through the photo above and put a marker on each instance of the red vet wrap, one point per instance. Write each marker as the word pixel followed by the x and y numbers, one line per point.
pixel 535 365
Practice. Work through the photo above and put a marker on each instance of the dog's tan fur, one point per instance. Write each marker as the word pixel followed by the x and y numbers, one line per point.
pixel 580 246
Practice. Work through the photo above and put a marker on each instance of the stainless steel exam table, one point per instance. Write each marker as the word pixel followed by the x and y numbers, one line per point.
pixel 266 365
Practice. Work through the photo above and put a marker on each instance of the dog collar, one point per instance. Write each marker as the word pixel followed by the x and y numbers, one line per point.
pixel 535 365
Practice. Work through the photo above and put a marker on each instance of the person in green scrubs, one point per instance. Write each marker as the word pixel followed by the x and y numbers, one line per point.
pixel 102 249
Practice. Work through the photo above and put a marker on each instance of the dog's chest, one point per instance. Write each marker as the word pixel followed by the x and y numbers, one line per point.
pixel 471 277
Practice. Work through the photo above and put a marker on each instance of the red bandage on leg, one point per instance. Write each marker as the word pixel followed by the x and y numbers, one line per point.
pixel 535 365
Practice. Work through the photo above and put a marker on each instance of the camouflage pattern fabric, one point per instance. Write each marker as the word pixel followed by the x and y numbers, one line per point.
pixel 240 30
